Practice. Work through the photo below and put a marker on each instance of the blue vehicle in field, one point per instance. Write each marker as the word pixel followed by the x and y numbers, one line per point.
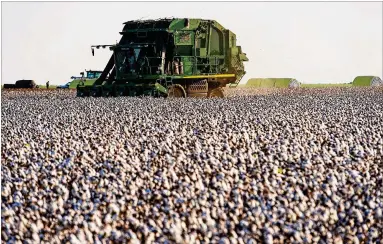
pixel 66 86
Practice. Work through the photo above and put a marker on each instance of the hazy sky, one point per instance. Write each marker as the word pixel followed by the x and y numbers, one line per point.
pixel 309 41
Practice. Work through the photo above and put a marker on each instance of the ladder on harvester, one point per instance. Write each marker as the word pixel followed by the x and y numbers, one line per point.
pixel 234 85
pixel 169 83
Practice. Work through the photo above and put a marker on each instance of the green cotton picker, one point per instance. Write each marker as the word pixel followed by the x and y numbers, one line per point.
pixel 87 80
pixel 176 57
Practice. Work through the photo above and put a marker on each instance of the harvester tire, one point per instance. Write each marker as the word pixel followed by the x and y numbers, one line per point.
pixel 119 92
pixel 217 92
pixel 93 93
pixel 176 91
pixel 106 93
pixel 80 94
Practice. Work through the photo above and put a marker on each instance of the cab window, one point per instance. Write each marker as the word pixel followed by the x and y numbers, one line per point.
pixel 90 75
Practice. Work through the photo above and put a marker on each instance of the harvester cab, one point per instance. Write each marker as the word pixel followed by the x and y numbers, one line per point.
pixel 93 74
pixel 90 74
pixel 170 57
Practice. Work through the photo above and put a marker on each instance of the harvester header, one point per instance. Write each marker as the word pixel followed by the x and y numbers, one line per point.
pixel 176 57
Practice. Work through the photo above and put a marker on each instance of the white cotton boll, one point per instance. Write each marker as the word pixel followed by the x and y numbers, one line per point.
pixel 36 237
pixel 297 237
pixel 355 240
pixel 268 238
pixel 224 240
pixel 358 215
pixel 150 239
pixel 74 240
pixel 379 213
pixel 371 204
pixel 108 218
pixel 92 227
pixel 338 240
pixel 113 208
pixel 81 236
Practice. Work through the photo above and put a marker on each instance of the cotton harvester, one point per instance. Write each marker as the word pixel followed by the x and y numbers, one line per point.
pixel 171 58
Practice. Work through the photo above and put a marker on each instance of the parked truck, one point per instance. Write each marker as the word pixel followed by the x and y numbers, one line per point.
pixel 21 84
